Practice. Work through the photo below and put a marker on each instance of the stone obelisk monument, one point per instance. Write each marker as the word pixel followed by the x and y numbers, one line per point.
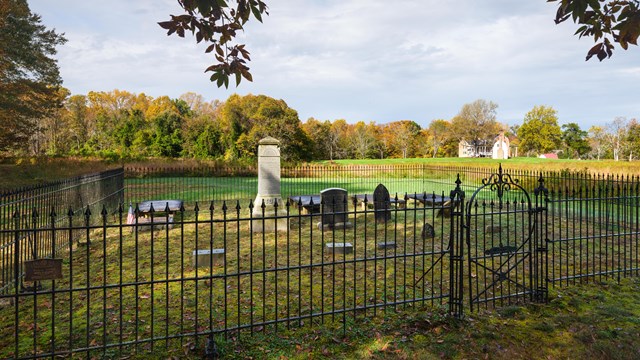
pixel 269 189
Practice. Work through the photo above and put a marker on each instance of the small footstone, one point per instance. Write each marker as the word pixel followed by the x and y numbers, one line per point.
pixel 386 245
pixel 203 258
pixel 338 248
pixel 492 229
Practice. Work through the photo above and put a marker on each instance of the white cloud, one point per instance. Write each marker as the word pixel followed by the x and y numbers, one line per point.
pixel 359 59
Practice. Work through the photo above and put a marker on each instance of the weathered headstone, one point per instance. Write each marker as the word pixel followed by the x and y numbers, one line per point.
pixel 428 232
pixel 269 189
pixel 206 257
pixel 381 202
pixel 334 208
pixel 338 248
pixel 492 229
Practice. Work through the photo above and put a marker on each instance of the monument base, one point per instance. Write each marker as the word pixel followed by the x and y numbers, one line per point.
pixel 336 226
pixel 269 220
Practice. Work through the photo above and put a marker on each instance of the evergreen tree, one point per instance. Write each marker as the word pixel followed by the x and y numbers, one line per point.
pixel 29 76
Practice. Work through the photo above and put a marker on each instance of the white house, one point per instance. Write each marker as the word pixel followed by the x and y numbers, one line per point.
pixel 501 147
pixel 499 150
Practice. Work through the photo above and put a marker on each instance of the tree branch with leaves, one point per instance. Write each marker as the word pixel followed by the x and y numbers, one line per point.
pixel 606 21
pixel 217 22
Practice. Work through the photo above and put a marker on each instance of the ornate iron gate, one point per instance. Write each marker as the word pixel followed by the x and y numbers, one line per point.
pixel 504 232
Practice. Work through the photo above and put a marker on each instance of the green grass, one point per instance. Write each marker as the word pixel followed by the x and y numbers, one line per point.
pixel 520 163
pixel 26 172
pixel 591 321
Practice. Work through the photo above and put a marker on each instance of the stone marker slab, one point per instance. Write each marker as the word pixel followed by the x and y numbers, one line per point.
pixel 447 209
pixel 386 245
pixel 492 229
pixel 428 232
pixel 338 248
pixel 160 206
pixel 310 203
pixel 202 258
pixel 159 222
pixel 381 204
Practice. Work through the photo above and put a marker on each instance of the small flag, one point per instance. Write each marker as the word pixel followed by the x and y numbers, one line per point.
pixel 131 217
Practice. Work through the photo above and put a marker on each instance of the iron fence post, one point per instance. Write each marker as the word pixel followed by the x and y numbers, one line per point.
pixel 456 251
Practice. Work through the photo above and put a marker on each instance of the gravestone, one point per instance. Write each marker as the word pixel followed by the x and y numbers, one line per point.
pixel 269 189
pixel 428 232
pixel 338 248
pixel 334 208
pixel 381 204
pixel 206 257
pixel 490 229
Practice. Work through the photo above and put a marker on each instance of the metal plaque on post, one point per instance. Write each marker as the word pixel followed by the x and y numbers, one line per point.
pixel 43 269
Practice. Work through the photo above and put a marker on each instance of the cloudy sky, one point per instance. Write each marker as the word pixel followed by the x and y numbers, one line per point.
pixel 370 60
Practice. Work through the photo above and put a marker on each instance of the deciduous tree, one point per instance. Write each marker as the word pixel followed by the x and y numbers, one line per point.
pixel 616 136
pixel 439 133
pixel 540 133
pixel 597 141
pixel 476 123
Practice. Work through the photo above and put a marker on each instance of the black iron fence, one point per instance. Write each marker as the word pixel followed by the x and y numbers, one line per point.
pixel 201 274
pixel 164 279
pixel 41 207
pixel 203 184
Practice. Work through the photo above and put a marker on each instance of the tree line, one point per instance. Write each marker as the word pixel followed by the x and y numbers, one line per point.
pixel 122 125
pixel 39 117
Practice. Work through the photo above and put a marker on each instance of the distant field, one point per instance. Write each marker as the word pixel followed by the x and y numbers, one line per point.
pixel 28 172
pixel 520 163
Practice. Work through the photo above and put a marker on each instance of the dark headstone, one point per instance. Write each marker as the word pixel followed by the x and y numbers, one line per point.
pixel 334 208
pixel 428 231
pixel 381 204
pixel 386 245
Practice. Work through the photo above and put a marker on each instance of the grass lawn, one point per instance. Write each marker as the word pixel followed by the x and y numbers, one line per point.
pixel 28 172
pixel 589 321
